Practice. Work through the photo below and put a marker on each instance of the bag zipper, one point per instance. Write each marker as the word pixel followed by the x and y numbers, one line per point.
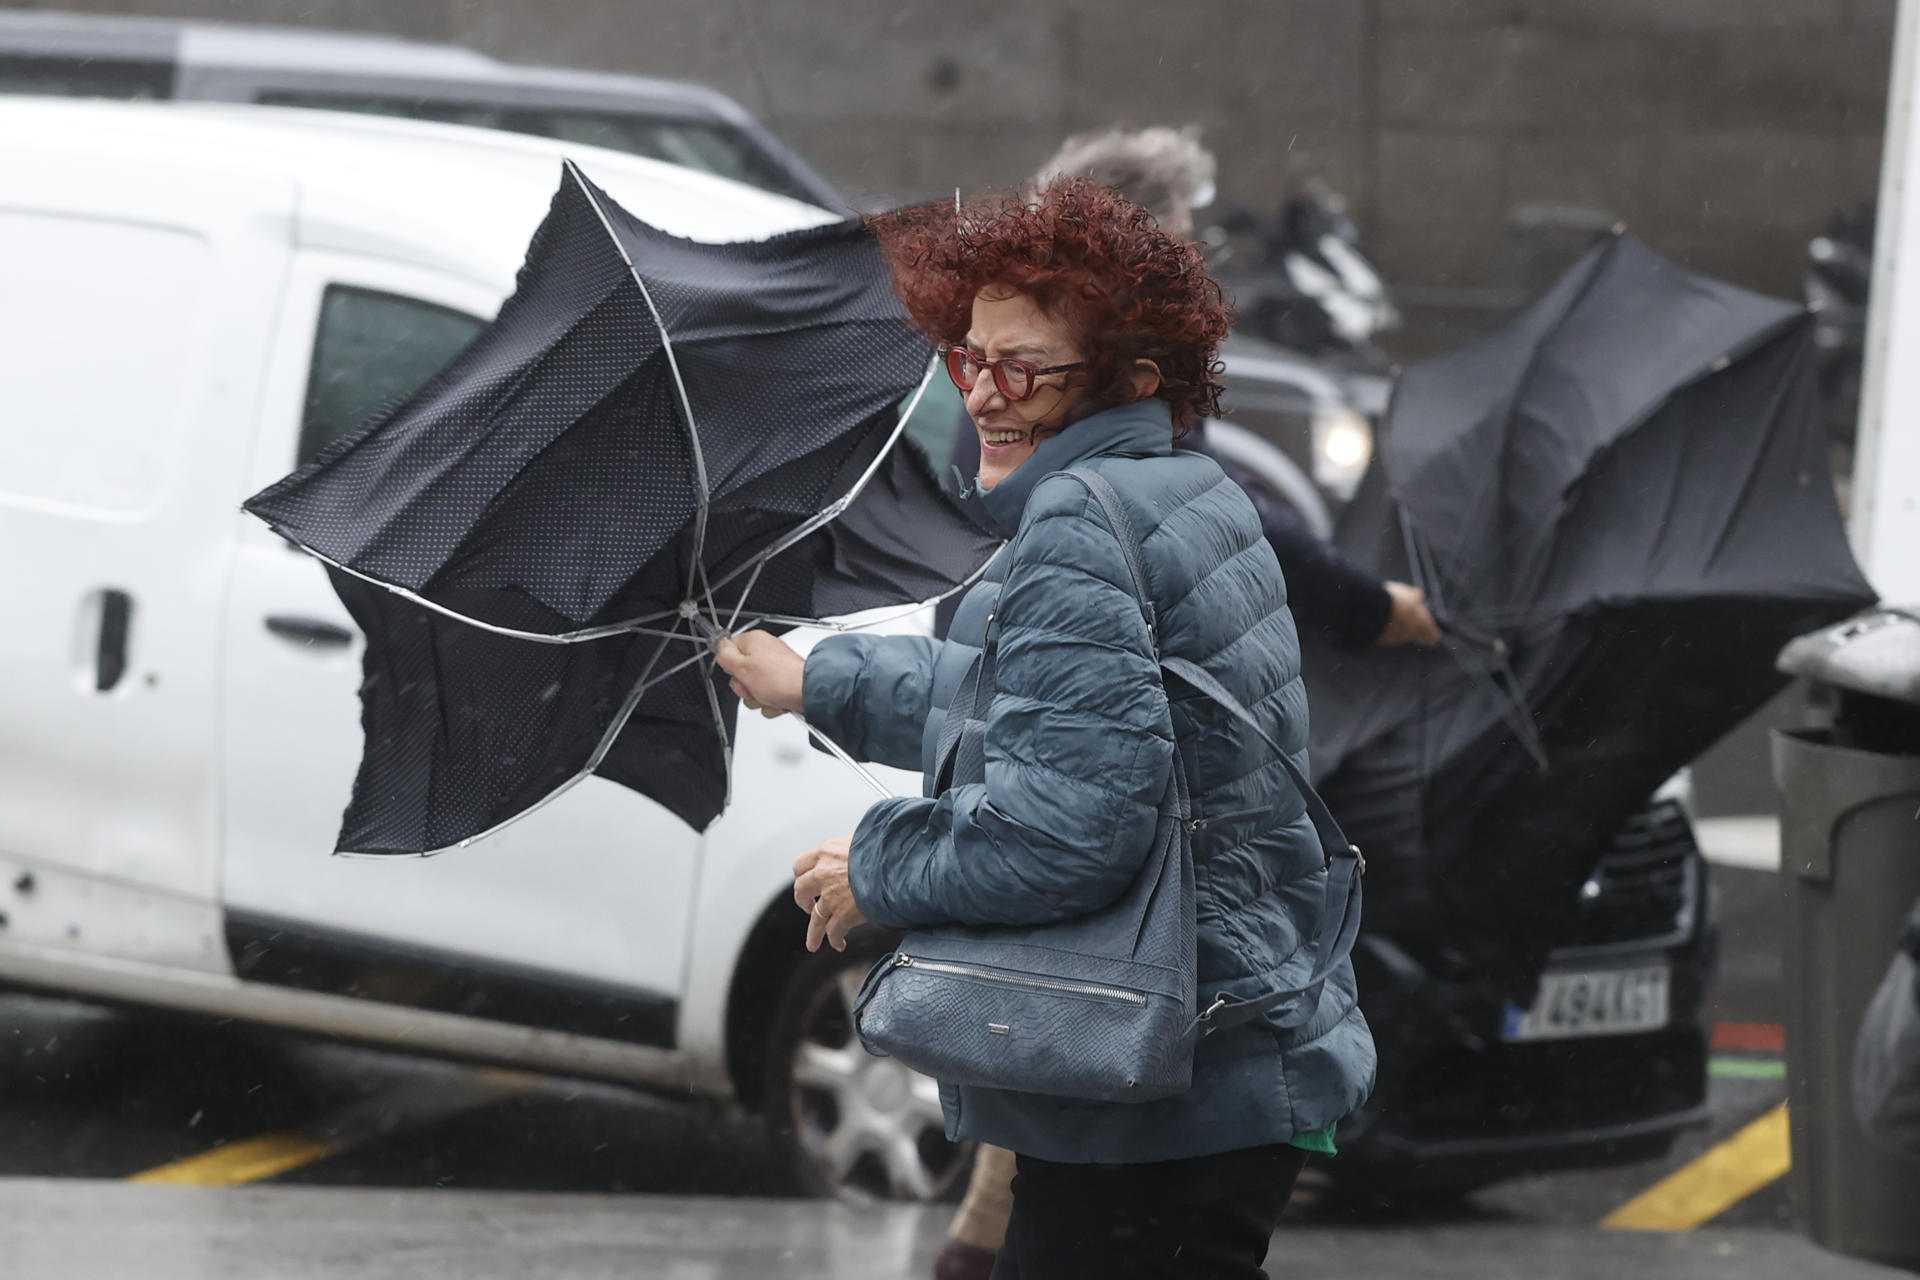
pixel 1201 824
pixel 901 960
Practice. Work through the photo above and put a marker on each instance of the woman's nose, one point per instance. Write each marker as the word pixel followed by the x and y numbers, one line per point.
pixel 982 393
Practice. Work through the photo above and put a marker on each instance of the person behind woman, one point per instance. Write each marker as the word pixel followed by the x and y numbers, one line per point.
pixel 1170 174
pixel 1085 337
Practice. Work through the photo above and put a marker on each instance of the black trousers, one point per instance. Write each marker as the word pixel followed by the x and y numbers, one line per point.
pixel 1210 1216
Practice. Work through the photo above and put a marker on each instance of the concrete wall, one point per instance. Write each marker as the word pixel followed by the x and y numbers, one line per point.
pixel 1723 131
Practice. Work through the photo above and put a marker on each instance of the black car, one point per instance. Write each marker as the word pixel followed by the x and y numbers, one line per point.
pixel 1607 1064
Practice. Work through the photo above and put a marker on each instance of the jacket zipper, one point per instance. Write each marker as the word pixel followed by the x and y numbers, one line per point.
pixel 903 961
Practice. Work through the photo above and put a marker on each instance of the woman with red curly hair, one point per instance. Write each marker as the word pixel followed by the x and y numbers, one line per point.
pixel 1084 339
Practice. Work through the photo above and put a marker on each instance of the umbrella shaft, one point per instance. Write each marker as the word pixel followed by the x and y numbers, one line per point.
pixel 879 787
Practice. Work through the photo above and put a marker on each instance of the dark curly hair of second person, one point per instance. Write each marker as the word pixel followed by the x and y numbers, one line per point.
pixel 1086 254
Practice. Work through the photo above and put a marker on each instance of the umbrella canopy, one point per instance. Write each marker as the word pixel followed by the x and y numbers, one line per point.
pixel 1620 505
pixel 656 440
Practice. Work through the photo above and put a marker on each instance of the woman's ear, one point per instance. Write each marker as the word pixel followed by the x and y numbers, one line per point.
pixel 1144 377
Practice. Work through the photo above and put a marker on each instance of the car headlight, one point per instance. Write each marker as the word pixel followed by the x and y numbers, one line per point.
pixel 1342 447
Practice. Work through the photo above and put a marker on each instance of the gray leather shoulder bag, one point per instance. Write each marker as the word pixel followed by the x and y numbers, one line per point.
pixel 1104 1006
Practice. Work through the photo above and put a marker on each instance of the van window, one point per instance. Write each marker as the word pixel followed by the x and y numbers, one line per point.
pixel 371 351
pixel 101 358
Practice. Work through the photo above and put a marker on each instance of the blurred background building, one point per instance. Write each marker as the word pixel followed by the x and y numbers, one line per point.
pixel 1473 138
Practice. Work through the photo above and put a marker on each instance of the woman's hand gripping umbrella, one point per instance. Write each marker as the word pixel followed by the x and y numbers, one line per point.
pixel 765 674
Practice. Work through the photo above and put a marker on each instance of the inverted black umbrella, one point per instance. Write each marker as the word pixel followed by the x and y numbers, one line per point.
pixel 1621 507
pixel 657 440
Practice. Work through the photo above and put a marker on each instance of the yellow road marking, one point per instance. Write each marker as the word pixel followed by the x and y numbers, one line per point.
pixel 1717 1180
pixel 412 1105
pixel 248 1160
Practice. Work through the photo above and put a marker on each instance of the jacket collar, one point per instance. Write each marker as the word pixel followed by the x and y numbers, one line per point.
pixel 1143 428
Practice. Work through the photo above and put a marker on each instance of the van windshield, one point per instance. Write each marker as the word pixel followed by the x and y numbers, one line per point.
pixel 711 146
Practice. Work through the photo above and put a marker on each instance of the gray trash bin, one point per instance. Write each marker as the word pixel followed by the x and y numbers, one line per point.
pixel 1850 865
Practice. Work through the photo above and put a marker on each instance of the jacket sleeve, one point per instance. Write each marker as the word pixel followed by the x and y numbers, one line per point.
pixel 1079 746
pixel 871 694
pixel 1326 591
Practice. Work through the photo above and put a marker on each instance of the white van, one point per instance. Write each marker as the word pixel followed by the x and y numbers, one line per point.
pixel 192 299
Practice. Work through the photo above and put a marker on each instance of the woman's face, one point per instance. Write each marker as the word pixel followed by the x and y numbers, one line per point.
pixel 1006 323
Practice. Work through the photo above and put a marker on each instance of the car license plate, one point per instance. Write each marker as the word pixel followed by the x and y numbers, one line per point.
pixel 1576 1003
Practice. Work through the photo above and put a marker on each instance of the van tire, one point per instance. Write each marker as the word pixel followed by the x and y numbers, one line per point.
pixel 896 1148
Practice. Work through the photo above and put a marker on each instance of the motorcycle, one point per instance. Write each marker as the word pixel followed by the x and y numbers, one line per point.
pixel 1838 274
pixel 1300 279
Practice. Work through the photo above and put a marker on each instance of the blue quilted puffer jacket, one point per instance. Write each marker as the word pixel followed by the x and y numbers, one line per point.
pixel 1079 744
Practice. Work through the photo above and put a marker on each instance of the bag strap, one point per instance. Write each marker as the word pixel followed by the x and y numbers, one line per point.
pixel 962 754
pixel 964 700
pixel 1340 916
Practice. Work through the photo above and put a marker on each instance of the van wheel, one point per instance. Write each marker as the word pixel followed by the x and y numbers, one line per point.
pixel 847 1124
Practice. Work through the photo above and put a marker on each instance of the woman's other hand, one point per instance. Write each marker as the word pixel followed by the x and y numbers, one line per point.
pixel 1409 621
pixel 821 889
pixel 768 676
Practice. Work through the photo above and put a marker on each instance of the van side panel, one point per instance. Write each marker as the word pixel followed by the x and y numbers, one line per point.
pixel 134 351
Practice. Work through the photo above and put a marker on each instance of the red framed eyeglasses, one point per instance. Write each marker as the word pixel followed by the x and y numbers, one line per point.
pixel 1016 379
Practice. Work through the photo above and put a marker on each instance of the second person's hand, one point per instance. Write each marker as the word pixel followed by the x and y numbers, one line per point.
pixel 1409 621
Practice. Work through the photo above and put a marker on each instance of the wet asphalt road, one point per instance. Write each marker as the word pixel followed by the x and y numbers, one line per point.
pixel 108 1094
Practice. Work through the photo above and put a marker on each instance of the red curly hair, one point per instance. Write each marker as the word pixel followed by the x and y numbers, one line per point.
pixel 1085 254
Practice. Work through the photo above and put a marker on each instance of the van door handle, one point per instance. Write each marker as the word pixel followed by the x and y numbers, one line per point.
pixel 110 653
pixel 309 631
